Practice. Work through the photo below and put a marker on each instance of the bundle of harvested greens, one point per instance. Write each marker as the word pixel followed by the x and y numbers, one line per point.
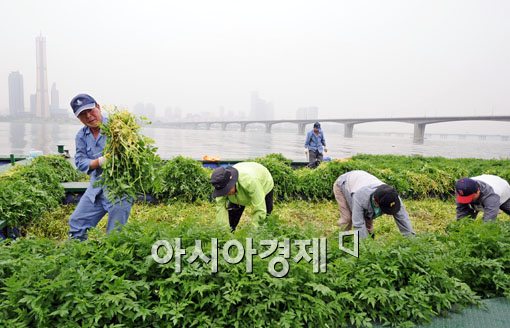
pixel 131 160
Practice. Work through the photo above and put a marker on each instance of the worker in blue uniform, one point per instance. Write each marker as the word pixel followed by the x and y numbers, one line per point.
pixel 94 203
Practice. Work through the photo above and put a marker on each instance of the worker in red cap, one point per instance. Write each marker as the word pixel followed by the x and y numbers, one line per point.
pixel 486 193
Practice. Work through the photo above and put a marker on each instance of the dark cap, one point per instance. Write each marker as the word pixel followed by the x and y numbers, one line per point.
pixel 82 102
pixel 223 179
pixel 387 199
pixel 316 125
pixel 465 190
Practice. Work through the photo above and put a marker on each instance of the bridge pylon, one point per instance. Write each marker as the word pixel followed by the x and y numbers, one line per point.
pixel 348 130
pixel 419 133
pixel 301 128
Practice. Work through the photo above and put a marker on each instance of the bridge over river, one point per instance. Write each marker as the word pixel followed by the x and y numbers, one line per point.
pixel 419 123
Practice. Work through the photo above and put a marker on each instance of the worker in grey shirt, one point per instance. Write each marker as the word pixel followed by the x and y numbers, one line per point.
pixel 486 193
pixel 362 197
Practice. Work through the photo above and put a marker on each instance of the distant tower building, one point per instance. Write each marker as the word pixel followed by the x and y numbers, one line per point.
pixel 33 104
pixel 16 96
pixel 150 111
pixel 55 102
pixel 168 113
pixel 254 106
pixel 177 113
pixel 222 114
pixel 260 109
pixel 307 113
pixel 42 108
pixel 139 109
pixel 270 110
pixel 56 111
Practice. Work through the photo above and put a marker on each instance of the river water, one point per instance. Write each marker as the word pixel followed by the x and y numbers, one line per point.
pixel 21 138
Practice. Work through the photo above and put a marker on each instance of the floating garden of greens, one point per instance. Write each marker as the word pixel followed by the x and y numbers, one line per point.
pixel 47 280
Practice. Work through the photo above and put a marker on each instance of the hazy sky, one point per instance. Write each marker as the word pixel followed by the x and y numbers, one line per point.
pixel 349 58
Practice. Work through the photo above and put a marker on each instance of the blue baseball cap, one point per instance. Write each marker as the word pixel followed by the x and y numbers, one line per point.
pixel 82 102
pixel 317 125
pixel 466 189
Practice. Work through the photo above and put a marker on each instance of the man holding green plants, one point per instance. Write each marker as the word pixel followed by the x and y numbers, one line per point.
pixel 90 143
pixel 241 185
pixel 362 197
pixel 486 193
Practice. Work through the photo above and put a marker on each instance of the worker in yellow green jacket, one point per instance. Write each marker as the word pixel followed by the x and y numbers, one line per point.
pixel 241 185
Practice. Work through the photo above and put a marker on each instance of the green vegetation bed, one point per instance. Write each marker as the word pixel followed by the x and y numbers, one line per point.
pixel 47 280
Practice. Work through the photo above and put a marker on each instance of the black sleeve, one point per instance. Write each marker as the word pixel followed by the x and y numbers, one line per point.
pixel 464 210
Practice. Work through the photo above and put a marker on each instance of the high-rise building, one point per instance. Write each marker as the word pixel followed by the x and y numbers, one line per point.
pixel 177 113
pixel 33 104
pixel 222 114
pixel 16 94
pixel 42 107
pixel 260 108
pixel 168 113
pixel 55 102
pixel 150 111
pixel 307 113
pixel 139 109
pixel 55 110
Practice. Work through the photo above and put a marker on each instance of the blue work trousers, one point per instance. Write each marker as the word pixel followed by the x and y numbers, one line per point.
pixel 88 214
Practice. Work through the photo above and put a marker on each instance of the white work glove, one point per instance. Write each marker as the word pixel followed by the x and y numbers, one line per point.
pixel 306 150
pixel 101 160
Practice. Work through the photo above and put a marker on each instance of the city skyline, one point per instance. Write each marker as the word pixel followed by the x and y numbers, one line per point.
pixel 364 59
pixel 42 104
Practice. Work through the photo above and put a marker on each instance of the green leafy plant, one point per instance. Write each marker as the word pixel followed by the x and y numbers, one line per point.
pixel 317 184
pixel 131 160
pixel 480 256
pixel 65 170
pixel 184 179
pixel 22 202
pixel 283 175
pixel 30 190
